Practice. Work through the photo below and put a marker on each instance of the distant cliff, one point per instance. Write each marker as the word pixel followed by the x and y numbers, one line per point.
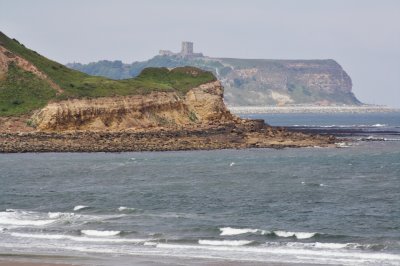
pixel 256 82
pixel 283 82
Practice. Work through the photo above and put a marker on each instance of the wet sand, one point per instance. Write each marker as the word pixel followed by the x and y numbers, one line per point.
pixel 20 263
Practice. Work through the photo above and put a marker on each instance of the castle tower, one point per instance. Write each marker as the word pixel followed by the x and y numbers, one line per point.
pixel 187 48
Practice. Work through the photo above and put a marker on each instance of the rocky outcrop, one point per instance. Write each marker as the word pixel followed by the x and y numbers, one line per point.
pixel 202 105
pixel 225 137
pixel 160 121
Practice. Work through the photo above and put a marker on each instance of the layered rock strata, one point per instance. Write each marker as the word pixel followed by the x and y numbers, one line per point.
pixel 202 105
pixel 160 121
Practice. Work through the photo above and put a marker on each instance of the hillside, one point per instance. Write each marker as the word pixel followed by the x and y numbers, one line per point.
pixel 28 80
pixel 254 82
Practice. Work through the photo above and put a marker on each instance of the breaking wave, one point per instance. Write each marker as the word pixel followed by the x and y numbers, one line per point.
pixel 298 235
pixel 229 231
pixel 80 238
pixel 126 209
pixel 23 218
pixel 59 215
pixel 80 207
pixel 224 242
pixel 329 246
pixel 100 233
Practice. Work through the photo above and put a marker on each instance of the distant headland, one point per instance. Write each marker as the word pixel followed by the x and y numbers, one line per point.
pixel 249 82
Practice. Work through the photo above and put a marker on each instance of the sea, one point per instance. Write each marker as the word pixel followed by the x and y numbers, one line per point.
pixel 292 206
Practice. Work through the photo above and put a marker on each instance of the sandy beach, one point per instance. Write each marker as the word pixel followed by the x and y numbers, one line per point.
pixel 20 263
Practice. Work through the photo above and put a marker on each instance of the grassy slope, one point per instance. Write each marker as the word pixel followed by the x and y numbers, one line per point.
pixel 22 92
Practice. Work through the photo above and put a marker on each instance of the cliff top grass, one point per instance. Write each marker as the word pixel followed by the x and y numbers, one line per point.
pixel 22 92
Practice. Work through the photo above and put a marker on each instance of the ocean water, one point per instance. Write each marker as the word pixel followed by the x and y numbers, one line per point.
pixel 312 205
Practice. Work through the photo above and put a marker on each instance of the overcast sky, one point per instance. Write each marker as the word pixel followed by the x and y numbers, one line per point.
pixel 362 35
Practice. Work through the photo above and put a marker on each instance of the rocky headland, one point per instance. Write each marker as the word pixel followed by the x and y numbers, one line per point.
pixel 46 107
pixel 250 82
pixel 156 122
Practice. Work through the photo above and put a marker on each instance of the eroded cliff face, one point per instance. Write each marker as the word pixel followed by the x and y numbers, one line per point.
pixel 202 105
pixel 285 82
pixel 7 57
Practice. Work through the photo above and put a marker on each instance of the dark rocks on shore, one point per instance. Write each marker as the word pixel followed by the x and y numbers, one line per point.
pixel 250 135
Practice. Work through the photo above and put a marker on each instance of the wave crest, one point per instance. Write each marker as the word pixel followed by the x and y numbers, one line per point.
pixel 224 242
pixel 81 238
pixel 298 235
pixel 100 233
pixel 80 207
pixel 22 218
pixel 229 231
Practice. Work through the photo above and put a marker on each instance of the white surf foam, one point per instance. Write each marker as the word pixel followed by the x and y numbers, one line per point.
pixel 317 245
pixel 80 238
pixel 22 218
pixel 79 218
pixel 380 125
pixel 283 254
pixel 342 145
pixel 274 254
pixel 123 208
pixel 229 231
pixel 80 207
pixel 224 242
pixel 100 233
pixel 59 215
pixel 152 244
pixel 298 235
pixel 332 245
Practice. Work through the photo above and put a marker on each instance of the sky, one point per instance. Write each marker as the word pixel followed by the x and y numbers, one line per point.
pixel 363 36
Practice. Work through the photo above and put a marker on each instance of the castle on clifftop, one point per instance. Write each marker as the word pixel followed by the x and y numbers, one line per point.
pixel 186 51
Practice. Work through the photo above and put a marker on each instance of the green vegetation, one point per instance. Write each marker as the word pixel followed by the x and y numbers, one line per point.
pixel 193 117
pixel 22 92
pixel 150 79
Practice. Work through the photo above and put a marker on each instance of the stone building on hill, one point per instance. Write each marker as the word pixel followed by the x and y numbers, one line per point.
pixel 186 51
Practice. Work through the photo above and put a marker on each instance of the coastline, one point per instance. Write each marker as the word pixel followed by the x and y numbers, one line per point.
pixel 310 109
pixel 4 262
pixel 143 260
pixel 221 137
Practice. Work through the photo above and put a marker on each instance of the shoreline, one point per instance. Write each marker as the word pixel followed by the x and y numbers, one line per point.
pixel 6 262
pixel 310 109
pixel 223 137
pixel 143 260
